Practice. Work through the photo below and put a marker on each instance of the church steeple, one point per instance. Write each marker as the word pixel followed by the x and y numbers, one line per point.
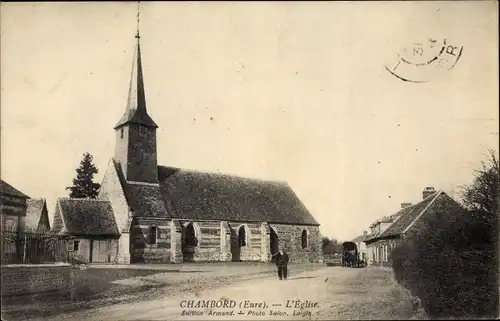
pixel 135 148
pixel 136 111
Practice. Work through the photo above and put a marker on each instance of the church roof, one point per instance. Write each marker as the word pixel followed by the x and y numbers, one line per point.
pixel 36 212
pixel 193 195
pixel 143 199
pixel 196 195
pixel 84 217
pixel 136 111
pixel 6 188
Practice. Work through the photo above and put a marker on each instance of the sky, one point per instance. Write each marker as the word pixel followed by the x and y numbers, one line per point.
pixel 289 91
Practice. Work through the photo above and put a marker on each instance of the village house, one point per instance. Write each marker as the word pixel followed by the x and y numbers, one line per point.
pixel 389 231
pixel 12 207
pixel 37 216
pixel 91 227
pixel 376 229
pixel 13 213
pixel 151 213
pixel 36 244
pixel 361 246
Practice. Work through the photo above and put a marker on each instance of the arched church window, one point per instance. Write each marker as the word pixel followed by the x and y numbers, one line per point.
pixel 303 239
pixel 121 133
pixel 152 235
pixel 242 236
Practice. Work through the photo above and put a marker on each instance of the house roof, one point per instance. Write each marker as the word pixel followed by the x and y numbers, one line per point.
pixel 34 211
pixel 360 238
pixel 191 194
pixel 387 219
pixel 405 217
pixel 82 216
pixel 410 214
pixel 6 188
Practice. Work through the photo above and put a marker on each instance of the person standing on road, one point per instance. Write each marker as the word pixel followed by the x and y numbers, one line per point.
pixel 282 264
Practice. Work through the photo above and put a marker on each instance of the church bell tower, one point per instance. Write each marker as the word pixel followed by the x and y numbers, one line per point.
pixel 135 147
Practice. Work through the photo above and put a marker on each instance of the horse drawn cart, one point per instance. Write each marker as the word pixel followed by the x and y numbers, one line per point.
pixel 350 255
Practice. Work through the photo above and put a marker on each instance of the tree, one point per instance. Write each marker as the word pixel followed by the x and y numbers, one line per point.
pixel 331 246
pixel 325 240
pixel 83 184
pixel 482 195
pixel 451 262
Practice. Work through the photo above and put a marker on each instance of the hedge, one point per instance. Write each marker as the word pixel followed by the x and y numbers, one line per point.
pixel 451 265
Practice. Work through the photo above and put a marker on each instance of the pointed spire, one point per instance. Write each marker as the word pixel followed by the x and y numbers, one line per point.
pixel 136 111
pixel 138 20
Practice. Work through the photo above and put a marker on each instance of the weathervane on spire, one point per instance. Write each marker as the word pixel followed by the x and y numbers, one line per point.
pixel 138 16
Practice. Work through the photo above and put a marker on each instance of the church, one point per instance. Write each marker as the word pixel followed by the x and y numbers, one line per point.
pixel 150 213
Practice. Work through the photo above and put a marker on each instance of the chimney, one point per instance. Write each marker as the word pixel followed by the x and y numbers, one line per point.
pixel 427 192
pixel 365 232
pixel 406 204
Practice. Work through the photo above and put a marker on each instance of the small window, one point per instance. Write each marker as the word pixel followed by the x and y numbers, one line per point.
pixel 152 235
pixel 121 133
pixel 142 130
pixel 303 239
pixel 73 245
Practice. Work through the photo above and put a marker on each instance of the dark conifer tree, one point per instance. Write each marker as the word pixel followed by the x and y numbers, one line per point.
pixel 83 183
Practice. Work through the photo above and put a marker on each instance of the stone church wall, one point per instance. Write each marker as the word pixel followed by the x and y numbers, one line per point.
pixel 291 240
pixel 209 246
pixel 159 252
pixel 219 242
pixel 112 191
pixel 251 251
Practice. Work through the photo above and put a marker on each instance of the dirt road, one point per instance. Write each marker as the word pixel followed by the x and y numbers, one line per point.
pixel 325 294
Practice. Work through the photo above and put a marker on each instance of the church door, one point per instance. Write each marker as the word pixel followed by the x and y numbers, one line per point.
pixel 273 243
pixel 235 246
pixel 189 243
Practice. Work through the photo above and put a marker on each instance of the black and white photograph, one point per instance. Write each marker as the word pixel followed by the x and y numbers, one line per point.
pixel 238 160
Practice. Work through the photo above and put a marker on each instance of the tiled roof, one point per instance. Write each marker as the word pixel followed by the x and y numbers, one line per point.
pixel 6 188
pixel 145 200
pixel 405 217
pixel 34 212
pixel 192 195
pixel 90 217
pixel 209 196
pixel 387 219
pixel 360 238
pixel 408 216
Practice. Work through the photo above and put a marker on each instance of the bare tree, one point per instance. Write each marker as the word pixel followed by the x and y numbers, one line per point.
pixel 483 194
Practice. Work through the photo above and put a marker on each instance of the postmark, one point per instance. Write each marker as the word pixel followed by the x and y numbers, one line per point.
pixel 425 60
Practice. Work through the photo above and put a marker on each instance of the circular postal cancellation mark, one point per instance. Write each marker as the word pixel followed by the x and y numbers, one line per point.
pixel 423 61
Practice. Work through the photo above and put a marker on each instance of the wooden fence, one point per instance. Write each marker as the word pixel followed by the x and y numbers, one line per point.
pixel 33 247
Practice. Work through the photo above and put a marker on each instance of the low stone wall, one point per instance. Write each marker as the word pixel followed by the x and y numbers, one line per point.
pixel 22 279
